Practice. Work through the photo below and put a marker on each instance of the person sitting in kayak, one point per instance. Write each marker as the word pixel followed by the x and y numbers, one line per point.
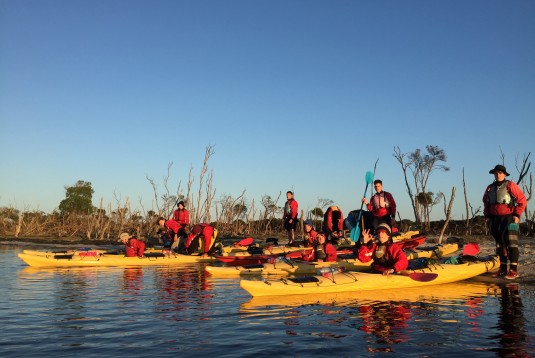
pixel 333 224
pixel 201 233
pixel 133 246
pixel 387 257
pixel 173 229
pixel 324 250
pixel 310 239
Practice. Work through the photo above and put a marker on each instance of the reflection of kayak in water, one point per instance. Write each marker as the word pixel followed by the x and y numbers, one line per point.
pixel 331 282
pixel 105 259
pixel 438 294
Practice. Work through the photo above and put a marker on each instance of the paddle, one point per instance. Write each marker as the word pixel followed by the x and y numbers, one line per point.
pixel 419 276
pixel 355 232
pixel 244 242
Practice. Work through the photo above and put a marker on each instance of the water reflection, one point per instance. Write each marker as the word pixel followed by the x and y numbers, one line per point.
pixel 513 337
pixel 183 289
pixel 384 318
pixel 387 321
pixel 133 280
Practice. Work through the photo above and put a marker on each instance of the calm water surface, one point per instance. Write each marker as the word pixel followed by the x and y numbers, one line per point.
pixel 172 311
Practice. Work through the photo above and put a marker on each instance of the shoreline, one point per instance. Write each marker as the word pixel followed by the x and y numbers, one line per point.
pixel 526 266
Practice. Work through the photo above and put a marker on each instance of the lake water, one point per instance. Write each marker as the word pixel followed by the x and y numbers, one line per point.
pixel 183 311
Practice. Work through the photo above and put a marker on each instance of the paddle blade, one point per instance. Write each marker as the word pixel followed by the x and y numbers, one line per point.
pixel 294 255
pixel 369 178
pixel 354 234
pixel 423 276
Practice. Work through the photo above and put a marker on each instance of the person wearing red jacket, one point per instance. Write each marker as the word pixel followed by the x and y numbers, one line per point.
pixel 387 257
pixel 333 223
pixel 290 216
pixel 133 246
pixel 173 229
pixel 201 231
pixel 311 234
pixel 324 250
pixel 504 202
pixel 382 205
pixel 181 216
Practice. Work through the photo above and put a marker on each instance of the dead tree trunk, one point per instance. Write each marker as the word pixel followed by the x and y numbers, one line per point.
pixel 448 215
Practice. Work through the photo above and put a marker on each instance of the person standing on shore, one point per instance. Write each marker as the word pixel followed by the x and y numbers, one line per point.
pixel 504 202
pixel 181 216
pixel 381 205
pixel 290 216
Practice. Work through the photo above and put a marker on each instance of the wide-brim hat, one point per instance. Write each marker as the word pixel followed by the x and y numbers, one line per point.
pixel 124 236
pixel 500 168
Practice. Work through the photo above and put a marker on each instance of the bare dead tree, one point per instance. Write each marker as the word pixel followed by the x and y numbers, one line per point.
pixel 202 213
pixel 270 210
pixel 448 215
pixel 404 167
pixel 155 191
pixel 466 204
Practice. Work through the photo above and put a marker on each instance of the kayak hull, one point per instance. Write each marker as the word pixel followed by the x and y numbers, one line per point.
pixel 357 281
pixel 77 260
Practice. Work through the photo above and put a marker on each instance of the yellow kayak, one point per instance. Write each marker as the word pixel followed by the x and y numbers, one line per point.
pixel 268 250
pixel 438 294
pixel 334 282
pixel 286 267
pixel 435 251
pixel 80 252
pixel 83 252
pixel 103 259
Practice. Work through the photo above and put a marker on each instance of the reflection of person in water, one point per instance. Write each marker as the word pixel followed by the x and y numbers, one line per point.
pixel 387 321
pixel 133 279
pixel 183 289
pixel 511 322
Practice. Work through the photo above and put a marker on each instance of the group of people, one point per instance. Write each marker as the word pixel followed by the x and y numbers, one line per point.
pixel 504 203
pixel 175 237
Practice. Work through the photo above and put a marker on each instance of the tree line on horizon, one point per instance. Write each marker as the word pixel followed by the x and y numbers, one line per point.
pixel 234 217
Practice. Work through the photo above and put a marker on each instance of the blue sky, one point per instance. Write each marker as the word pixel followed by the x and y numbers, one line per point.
pixel 291 94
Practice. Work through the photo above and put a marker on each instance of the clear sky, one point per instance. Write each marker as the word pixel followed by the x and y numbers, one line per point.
pixel 300 94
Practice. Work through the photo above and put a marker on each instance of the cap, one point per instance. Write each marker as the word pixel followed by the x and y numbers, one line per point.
pixel 383 227
pixel 308 222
